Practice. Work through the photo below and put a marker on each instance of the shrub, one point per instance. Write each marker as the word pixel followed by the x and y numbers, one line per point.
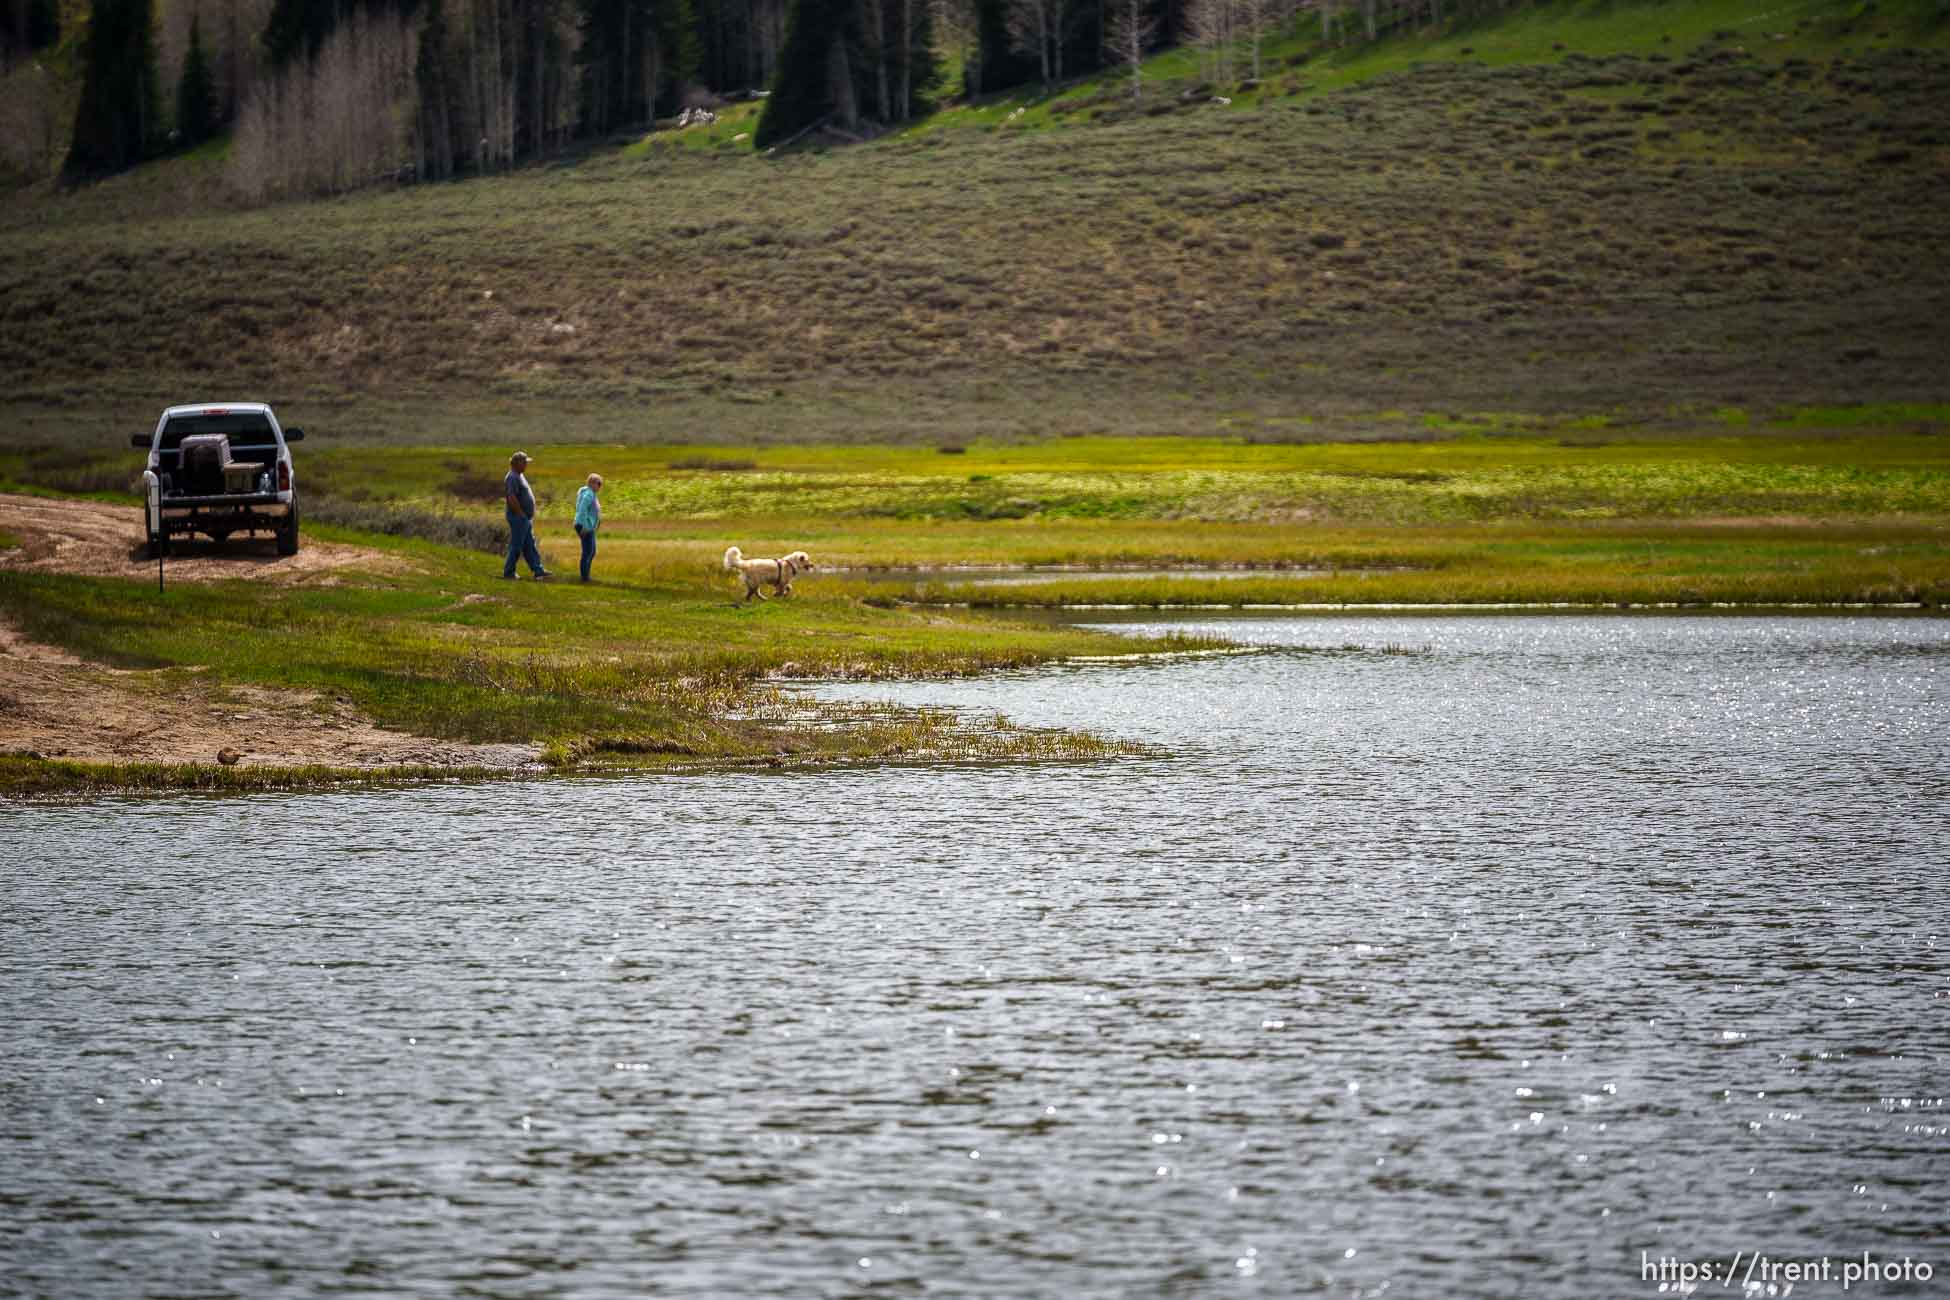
pixel 470 483
pixel 75 469
pixel 448 528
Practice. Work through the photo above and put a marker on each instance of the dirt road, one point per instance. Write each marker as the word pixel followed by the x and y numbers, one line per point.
pixel 106 541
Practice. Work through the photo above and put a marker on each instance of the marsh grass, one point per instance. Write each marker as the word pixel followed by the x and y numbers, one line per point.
pixel 1552 471
pixel 790 729
pixel 22 775
pixel 1739 516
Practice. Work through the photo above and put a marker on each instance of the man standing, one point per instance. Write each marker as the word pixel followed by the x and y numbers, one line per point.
pixel 521 519
pixel 589 513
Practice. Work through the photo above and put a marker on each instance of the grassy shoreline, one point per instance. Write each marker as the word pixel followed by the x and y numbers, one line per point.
pixel 654 667
pixel 615 676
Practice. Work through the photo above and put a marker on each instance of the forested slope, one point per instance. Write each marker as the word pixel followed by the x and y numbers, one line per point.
pixel 1657 235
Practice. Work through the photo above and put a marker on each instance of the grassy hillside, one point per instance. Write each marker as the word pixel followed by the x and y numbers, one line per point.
pixel 1457 228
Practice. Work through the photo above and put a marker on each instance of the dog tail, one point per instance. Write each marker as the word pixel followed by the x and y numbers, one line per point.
pixel 731 557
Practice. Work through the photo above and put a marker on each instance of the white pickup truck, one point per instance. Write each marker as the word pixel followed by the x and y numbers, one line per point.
pixel 224 467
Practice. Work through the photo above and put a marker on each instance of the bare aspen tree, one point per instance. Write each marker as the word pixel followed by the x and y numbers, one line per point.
pixel 1262 18
pixel 333 123
pixel 1128 30
pixel 487 78
pixel 34 108
pixel 1210 25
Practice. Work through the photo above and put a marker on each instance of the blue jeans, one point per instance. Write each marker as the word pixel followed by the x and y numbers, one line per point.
pixel 588 536
pixel 521 543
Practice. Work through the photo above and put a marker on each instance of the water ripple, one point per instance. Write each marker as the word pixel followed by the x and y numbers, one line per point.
pixel 1472 971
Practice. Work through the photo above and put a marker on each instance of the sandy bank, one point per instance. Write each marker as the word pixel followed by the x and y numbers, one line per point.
pixel 55 705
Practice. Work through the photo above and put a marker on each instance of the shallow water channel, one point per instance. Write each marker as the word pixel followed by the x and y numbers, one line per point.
pixel 980 576
pixel 1448 956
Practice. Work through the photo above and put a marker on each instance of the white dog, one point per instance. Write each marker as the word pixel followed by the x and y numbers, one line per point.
pixel 757 573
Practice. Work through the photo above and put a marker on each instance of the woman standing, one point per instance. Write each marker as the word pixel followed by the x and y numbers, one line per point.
pixel 588 515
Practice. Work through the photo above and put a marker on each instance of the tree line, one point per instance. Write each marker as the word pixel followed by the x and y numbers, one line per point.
pixel 329 95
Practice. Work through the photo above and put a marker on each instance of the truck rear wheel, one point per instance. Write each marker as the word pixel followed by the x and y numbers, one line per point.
pixel 288 534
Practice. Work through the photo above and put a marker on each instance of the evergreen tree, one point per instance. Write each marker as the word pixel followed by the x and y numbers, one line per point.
pixel 848 59
pixel 43 26
pixel 298 28
pixel 620 46
pixel 998 62
pixel 815 75
pixel 116 121
pixel 196 94
pixel 682 46
pixel 434 79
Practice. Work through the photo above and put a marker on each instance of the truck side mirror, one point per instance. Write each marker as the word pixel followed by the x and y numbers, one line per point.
pixel 140 440
pixel 294 435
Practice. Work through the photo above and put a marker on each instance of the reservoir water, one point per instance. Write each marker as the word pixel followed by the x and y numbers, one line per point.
pixel 1453 956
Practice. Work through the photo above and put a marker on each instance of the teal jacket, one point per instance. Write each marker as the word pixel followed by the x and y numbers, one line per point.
pixel 588 513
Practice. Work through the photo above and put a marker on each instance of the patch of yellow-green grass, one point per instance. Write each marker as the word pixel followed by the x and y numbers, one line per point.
pixel 730 132
pixel 1747 518
pixel 1456 480
pixel 1928 418
pixel 1620 564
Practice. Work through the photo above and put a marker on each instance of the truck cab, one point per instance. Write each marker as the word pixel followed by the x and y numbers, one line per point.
pixel 223 468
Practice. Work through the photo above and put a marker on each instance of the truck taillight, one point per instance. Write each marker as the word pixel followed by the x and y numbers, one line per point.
pixel 284 476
